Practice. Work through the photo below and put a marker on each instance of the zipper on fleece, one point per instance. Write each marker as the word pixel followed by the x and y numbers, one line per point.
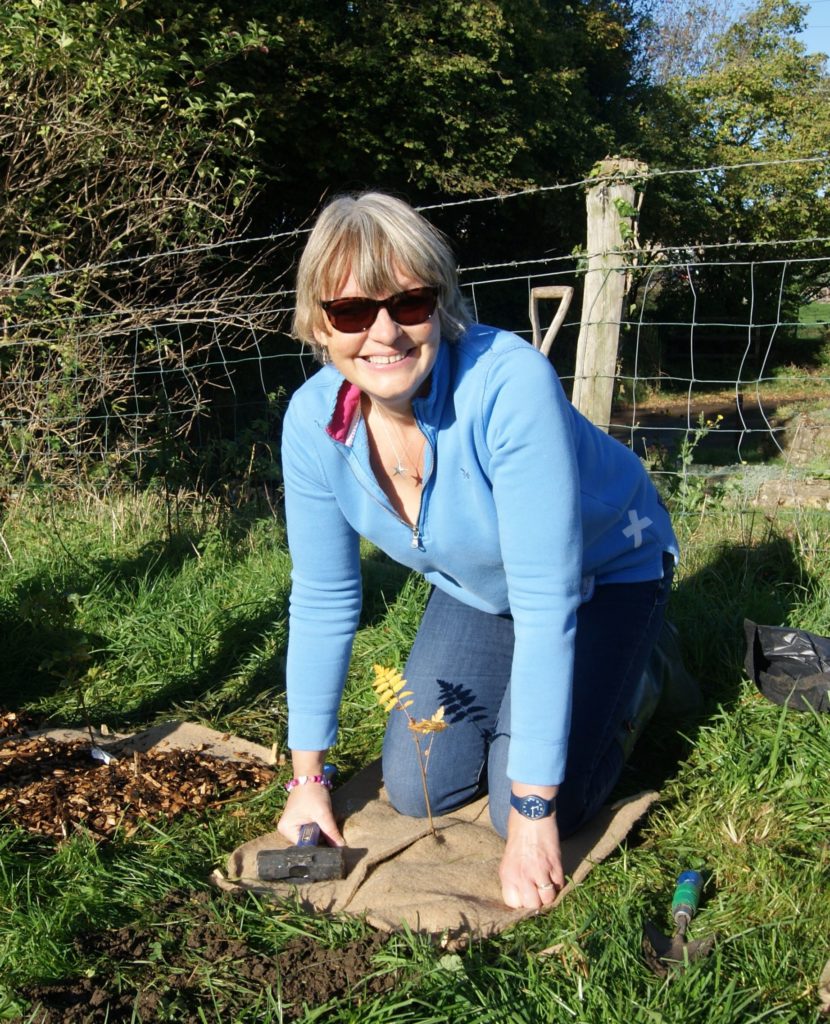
pixel 348 453
pixel 416 529
pixel 415 542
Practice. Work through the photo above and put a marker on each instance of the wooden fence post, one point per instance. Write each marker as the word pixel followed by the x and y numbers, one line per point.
pixel 611 204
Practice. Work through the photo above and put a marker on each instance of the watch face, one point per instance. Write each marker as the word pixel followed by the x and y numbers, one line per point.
pixel 532 807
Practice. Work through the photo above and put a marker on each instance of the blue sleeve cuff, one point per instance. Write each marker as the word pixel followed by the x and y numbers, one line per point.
pixel 536 762
pixel 311 731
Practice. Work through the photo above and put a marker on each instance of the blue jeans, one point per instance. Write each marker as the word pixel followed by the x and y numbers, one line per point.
pixel 461 659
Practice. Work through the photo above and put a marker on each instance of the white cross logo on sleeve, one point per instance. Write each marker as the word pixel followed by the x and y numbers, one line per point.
pixel 636 526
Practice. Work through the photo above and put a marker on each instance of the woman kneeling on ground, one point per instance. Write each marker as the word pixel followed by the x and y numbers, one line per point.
pixel 451 446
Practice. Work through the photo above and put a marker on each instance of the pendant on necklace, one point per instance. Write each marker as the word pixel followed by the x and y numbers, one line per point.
pixel 398 469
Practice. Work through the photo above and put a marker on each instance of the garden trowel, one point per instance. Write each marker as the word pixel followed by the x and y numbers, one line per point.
pixel 662 953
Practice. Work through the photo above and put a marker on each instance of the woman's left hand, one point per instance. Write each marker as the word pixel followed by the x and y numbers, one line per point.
pixel 531 869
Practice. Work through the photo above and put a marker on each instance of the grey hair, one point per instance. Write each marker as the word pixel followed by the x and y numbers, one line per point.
pixel 376 237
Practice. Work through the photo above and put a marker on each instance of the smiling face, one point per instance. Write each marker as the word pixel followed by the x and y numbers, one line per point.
pixel 388 362
pixel 370 243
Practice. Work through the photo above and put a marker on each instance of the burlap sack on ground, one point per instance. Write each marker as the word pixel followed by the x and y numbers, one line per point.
pixel 166 736
pixel 399 874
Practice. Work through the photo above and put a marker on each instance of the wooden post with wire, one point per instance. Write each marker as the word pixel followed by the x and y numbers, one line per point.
pixel 612 210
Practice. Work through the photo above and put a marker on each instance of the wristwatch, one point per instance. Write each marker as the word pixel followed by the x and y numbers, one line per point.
pixel 533 806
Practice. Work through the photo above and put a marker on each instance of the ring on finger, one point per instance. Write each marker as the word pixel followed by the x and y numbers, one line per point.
pixel 549 885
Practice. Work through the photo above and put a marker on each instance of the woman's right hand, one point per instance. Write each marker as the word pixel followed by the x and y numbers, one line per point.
pixel 305 804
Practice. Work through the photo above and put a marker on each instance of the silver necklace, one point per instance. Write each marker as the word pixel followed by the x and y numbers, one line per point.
pixel 399 469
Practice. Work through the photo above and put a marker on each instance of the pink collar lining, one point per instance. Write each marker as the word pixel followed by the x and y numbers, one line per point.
pixel 345 409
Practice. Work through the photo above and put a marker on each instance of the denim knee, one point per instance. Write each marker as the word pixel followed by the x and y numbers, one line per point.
pixel 453 773
pixel 405 790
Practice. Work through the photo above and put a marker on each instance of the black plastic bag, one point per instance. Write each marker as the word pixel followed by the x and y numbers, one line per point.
pixel 790 666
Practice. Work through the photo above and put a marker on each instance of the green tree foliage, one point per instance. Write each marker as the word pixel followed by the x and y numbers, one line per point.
pixel 437 98
pixel 113 148
pixel 763 98
pixel 133 128
pixel 441 96
pixel 109 146
pixel 758 98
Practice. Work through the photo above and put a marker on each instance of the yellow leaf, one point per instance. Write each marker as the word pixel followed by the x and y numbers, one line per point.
pixel 428 725
pixel 389 677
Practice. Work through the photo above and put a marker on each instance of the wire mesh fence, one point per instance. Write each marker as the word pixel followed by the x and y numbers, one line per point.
pixel 181 367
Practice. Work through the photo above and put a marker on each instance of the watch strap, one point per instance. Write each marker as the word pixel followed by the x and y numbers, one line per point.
pixel 526 805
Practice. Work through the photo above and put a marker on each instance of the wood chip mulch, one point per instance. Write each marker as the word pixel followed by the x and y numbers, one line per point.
pixel 15 723
pixel 51 787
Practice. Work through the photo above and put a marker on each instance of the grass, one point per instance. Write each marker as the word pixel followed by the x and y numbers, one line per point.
pixel 192 624
pixel 814 320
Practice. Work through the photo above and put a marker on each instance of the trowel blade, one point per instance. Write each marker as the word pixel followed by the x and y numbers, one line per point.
pixel 663 953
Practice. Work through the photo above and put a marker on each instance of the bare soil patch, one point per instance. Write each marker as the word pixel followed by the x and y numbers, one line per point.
pixel 170 970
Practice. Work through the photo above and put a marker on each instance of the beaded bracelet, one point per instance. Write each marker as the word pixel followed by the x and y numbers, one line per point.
pixel 301 780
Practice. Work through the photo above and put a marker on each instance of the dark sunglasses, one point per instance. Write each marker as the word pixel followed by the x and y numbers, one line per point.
pixel 358 314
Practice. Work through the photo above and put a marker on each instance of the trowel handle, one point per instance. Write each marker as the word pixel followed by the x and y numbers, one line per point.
pixel 686 895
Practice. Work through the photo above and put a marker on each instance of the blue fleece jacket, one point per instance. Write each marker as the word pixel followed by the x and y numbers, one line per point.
pixel 525 505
